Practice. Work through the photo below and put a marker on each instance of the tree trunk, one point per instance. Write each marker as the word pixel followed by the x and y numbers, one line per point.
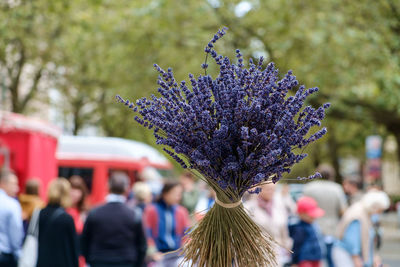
pixel 334 154
pixel 76 128
pixel 396 132
pixel 316 156
pixel 77 120
pixel 14 76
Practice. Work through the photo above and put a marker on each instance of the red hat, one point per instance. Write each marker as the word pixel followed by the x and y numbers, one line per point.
pixel 310 207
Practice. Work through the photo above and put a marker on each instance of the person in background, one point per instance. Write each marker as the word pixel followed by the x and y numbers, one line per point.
pixel 190 195
pixel 166 222
pixel 12 187
pixel 11 229
pixel 30 200
pixel 289 203
pixel 398 213
pixel 331 198
pixel 113 235
pixel 142 195
pixel 153 179
pixel 351 187
pixel 205 203
pixel 355 247
pixel 78 196
pixel 307 251
pixel 58 241
pixel 376 220
pixel 78 209
pixel 268 210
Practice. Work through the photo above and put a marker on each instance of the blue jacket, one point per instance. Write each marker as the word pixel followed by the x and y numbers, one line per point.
pixel 306 246
pixel 165 226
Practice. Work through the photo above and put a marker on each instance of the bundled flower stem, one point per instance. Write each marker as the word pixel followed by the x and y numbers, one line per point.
pixel 229 237
pixel 237 131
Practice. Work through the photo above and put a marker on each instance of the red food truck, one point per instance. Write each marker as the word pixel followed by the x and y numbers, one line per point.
pixel 28 147
pixel 36 149
pixel 95 158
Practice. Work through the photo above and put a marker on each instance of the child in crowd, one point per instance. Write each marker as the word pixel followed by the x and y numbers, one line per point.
pixel 306 249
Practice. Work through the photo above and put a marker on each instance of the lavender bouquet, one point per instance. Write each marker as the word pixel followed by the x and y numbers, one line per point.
pixel 236 131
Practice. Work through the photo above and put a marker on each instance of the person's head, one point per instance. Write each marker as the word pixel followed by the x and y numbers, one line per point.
pixel 327 172
pixel 171 193
pixel 374 186
pixel 267 191
pixel 58 192
pixel 9 182
pixel 142 192
pixel 375 201
pixel 153 178
pixel 187 180
pixel 308 210
pixel 285 189
pixel 118 183
pixel 78 192
pixel 350 186
pixel 32 187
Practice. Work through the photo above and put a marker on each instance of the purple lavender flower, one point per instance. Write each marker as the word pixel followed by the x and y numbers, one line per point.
pixel 239 129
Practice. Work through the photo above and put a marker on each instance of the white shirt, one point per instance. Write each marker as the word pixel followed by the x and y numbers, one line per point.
pixel 115 198
pixel 11 229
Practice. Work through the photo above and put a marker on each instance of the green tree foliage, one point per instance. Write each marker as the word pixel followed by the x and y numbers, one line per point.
pixel 89 51
pixel 29 31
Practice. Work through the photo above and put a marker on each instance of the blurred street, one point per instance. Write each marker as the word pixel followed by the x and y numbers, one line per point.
pixel 390 251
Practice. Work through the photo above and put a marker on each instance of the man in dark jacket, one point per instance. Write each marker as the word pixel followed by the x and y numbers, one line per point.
pixel 113 234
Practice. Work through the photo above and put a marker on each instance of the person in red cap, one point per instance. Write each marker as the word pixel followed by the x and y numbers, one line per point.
pixel 306 248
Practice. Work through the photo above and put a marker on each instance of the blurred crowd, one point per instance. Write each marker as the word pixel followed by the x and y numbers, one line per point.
pixel 145 225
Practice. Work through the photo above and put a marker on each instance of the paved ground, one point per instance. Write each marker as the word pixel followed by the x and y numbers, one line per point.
pixel 390 251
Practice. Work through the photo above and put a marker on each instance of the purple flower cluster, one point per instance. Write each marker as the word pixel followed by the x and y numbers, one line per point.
pixel 239 129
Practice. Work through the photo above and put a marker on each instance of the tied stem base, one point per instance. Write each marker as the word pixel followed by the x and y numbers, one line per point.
pixel 229 237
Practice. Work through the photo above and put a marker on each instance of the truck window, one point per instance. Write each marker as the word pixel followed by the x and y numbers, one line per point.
pixel 85 173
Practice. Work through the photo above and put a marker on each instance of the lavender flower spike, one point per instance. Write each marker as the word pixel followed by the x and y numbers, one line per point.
pixel 237 129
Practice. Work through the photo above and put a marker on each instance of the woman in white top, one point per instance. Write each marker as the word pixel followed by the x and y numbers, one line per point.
pixel 269 210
